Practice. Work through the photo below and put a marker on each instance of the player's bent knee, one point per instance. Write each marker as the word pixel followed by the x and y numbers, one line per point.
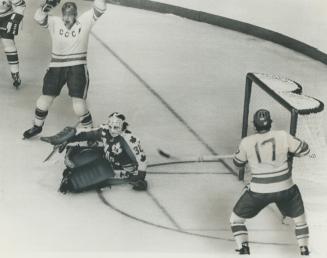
pixel 235 219
pixel 300 220
pixel 44 102
pixel 9 45
pixel 79 106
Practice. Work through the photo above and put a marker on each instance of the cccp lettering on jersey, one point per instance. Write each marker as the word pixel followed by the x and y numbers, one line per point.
pixel 67 33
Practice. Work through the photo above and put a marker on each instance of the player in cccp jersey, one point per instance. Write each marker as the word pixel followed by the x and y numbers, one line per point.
pixel 11 15
pixel 267 154
pixel 70 35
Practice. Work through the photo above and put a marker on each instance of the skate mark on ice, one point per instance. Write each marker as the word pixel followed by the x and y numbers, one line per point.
pixel 172 220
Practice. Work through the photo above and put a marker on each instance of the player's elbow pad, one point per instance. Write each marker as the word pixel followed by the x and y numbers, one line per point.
pixel 304 150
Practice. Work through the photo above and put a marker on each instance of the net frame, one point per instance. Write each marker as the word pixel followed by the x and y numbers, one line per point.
pixel 286 92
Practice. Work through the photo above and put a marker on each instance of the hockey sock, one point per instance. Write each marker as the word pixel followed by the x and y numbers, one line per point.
pixel 13 62
pixel 80 109
pixel 239 230
pixel 41 111
pixel 240 233
pixel 40 116
pixel 301 230
pixel 12 55
pixel 86 120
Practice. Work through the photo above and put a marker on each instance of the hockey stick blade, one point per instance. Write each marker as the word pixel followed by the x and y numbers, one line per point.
pixel 54 149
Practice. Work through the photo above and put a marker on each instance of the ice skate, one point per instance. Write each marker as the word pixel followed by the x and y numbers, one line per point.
pixel 35 130
pixel 304 250
pixel 17 81
pixel 244 250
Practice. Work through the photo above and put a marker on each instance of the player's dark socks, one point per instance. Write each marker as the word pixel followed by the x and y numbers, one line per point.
pixel 40 116
pixel 245 249
pixel 86 120
pixel 17 81
pixel 35 130
pixel 304 250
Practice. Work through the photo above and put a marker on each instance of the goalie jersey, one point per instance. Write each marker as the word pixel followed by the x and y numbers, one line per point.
pixel 267 156
pixel 123 151
pixel 69 47
pixel 8 7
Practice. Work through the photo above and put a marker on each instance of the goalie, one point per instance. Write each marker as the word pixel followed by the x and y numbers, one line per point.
pixel 119 158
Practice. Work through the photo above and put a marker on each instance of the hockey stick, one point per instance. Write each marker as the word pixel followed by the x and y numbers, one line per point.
pixel 59 147
pixel 203 158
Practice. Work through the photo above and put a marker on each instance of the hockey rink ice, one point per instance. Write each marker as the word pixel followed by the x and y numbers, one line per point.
pixel 180 84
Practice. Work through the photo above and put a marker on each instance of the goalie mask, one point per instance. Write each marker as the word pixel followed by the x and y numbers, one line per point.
pixel 117 124
pixel 262 120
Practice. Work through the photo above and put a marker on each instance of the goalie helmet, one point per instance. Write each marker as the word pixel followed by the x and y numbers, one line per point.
pixel 262 120
pixel 117 124
pixel 69 8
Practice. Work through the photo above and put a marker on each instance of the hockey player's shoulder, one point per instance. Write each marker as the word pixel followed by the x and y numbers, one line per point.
pixel 280 133
pixel 130 137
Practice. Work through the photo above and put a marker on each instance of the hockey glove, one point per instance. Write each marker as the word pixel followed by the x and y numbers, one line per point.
pixel 49 4
pixel 62 137
pixel 13 23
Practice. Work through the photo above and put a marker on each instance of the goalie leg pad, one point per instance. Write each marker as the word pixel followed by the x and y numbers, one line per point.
pixel 91 176
pixel 78 156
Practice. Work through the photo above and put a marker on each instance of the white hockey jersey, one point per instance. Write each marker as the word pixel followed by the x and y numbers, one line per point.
pixel 8 7
pixel 267 157
pixel 69 46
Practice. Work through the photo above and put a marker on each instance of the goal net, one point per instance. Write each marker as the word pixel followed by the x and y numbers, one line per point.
pixel 291 111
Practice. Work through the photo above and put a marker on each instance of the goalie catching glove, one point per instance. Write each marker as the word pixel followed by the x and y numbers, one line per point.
pixel 13 23
pixel 63 136
pixel 47 5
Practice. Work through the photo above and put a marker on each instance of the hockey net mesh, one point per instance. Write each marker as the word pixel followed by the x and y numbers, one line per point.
pixel 309 125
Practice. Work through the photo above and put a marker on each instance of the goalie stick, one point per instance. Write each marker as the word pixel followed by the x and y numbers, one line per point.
pixel 59 147
pixel 203 158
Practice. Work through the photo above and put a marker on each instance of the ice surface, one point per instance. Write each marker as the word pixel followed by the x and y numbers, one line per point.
pixel 199 71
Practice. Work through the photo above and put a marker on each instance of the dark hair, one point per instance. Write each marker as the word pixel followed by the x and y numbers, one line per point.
pixel 69 6
pixel 262 120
